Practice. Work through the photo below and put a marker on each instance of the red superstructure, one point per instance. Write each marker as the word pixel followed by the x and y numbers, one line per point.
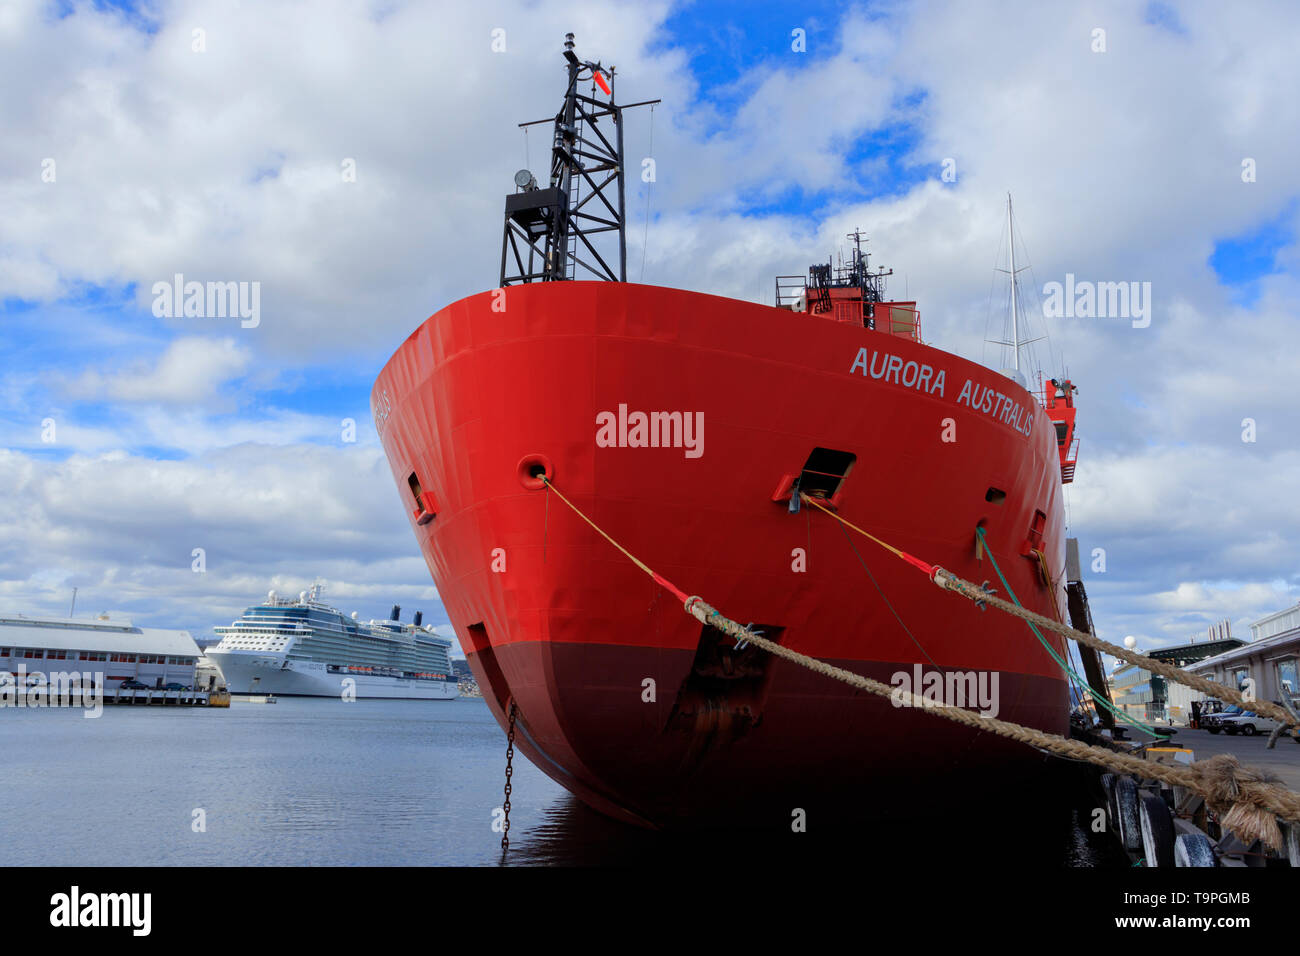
pixel 681 423
pixel 1058 402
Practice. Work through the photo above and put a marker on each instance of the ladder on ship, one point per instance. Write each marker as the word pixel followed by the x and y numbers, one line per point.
pixel 1081 620
pixel 575 192
pixel 575 197
pixel 821 278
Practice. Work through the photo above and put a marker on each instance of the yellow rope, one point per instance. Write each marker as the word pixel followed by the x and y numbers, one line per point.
pixel 576 510
pixel 816 504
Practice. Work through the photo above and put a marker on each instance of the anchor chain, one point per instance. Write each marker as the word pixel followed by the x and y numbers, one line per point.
pixel 510 756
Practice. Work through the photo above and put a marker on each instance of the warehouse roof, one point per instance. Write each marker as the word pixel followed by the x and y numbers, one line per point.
pixel 94 635
pixel 1248 650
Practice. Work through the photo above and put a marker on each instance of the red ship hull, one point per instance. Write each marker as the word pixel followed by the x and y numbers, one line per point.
pixel 555 619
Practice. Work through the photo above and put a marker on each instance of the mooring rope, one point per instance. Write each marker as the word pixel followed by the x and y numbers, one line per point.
pixel 1097 698
pixel 951 582
pixel 930 569
pixel 1248 801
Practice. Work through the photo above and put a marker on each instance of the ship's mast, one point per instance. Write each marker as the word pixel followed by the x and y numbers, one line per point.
pixel 859 257
pixel 1015 292
pixel 1015 343
pixel 549 231
pixel 859 273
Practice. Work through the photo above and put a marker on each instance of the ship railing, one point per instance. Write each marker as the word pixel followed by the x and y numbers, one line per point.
pixel 790 291
pixel 900 320
pixel 1069 461
pixel 1052 396
pixel 892 318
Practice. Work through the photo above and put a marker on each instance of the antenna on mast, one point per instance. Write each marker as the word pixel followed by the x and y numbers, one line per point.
pixel 549 230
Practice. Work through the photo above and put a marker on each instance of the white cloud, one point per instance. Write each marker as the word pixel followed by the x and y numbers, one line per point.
pixel 123 528
pixel 226 166
pixel 190 370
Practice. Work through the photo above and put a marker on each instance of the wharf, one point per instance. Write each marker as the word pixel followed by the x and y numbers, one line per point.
pixel 168 698
pixel 1283 760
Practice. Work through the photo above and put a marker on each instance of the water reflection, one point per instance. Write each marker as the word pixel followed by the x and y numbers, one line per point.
pixel 571 834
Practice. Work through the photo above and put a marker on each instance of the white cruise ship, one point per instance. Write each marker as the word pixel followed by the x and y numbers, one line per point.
pixel 306 648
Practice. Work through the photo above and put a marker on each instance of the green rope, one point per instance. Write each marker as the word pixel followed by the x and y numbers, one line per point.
pixel 1122 715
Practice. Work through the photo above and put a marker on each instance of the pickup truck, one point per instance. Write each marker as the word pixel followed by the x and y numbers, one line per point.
pixel 1214 722
pixel 1248 724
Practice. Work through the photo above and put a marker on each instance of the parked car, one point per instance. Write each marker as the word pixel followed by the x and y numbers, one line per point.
pixel 133 685
pixel 175 686
pixel 1214 722
pixel 1248 724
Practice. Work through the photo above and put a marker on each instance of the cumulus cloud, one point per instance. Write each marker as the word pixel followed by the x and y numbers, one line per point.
pixel 227 165
pixel 123 528
pixel 190 370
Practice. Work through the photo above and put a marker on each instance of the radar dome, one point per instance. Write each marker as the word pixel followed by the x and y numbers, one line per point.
pixel 1015 375
pixel 1130 642
pixel 270 595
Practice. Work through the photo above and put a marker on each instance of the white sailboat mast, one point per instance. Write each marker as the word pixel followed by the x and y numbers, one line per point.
pixel 1015 313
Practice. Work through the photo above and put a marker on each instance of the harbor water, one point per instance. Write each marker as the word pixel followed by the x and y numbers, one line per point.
pixel 313 781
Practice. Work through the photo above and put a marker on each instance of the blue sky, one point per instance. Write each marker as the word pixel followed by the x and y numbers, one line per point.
pixel 224 165
pixel 725 42
pixel 1240 261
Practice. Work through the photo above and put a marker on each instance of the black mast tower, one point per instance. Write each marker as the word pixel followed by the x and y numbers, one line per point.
pixel 549 231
